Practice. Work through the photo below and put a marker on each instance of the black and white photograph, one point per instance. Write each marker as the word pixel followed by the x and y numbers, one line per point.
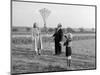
pixel 52 37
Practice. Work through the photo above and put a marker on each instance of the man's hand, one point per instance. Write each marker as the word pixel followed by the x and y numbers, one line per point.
pixel 51 37
pixel 61 43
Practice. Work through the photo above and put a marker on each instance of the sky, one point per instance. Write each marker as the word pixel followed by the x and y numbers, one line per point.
pixel 26 13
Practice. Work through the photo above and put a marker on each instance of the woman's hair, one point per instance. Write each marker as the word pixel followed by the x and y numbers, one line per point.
pixel 35 25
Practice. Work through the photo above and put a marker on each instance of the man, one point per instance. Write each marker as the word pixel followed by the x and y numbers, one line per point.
pixel 58 38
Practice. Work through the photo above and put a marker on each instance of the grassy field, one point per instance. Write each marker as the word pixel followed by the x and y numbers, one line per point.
pixel 25 60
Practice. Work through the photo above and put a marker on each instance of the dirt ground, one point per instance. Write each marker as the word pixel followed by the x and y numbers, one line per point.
pixel 25 60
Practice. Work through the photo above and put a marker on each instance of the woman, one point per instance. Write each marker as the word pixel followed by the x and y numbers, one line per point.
pixel 37 38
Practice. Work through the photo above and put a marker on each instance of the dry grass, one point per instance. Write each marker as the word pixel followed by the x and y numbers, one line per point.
pixel 24 58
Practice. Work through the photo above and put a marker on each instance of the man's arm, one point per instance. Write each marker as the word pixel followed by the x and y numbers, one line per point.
pixel 54 35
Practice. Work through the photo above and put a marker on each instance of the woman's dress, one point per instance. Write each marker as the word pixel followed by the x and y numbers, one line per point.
pixel 37 37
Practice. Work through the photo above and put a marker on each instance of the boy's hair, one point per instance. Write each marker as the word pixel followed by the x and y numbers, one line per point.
pixel 68 38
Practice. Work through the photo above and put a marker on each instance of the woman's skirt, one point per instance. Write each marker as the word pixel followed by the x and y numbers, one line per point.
pixel 38 43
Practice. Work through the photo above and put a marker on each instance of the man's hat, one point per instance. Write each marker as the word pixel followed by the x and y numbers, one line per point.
pixel 59 25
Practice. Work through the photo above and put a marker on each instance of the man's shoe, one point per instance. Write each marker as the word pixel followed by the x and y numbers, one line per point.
pixel 55 54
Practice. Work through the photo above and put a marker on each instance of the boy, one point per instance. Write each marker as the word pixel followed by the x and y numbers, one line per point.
pixel 68 44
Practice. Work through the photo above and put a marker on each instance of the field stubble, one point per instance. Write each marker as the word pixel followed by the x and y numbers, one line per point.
pixel 24 58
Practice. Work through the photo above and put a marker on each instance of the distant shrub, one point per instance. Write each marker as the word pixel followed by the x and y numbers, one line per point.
pixel 21 41
pixel 14 29
pixel 70 30
pixel 28 29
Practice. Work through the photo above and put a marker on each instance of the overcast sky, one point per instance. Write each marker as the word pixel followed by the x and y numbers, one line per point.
pixel 25 14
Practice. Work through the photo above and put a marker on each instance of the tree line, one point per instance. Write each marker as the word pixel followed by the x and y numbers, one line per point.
pixel 51 30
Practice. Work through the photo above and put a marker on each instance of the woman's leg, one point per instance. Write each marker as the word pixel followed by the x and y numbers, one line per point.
pixel 36 50
pixel 39 45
